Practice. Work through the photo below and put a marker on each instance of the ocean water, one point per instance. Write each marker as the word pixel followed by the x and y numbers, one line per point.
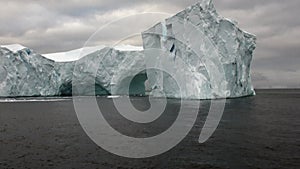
pixel 255 132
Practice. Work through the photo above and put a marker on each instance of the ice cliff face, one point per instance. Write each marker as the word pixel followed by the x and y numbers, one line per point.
pixel 107 70
pixel 204 56
pixel 25 73
pixel 211 52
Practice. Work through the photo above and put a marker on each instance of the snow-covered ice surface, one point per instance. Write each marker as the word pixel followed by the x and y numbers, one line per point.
pixel 72 55
pixel 13 47
pixel 208 54
pixel 77 54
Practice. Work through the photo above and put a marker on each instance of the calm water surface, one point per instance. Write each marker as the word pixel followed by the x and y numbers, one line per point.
pixel 255 132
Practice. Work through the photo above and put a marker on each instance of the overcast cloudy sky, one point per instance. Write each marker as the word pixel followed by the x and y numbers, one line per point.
pixel 52 25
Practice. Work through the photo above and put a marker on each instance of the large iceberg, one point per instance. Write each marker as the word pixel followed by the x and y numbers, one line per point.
pixel 210 53
pixel 200 56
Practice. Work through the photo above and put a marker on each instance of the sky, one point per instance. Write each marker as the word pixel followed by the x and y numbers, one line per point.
pixel 53 26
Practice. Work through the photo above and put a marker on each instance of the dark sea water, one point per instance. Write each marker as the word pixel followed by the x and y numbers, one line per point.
pixel 255 132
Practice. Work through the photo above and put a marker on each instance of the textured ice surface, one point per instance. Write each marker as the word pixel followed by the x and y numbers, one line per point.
pixel 210 53
pixel 107 68
pixel 25 73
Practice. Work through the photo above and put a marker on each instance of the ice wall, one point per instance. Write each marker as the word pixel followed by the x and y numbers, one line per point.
pixel 211 53
pixel 26 73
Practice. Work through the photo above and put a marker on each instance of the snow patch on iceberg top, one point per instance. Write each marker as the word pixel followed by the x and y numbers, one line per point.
pixel 77 54
pixel 13 47
pixel 72 55
pixel 128 48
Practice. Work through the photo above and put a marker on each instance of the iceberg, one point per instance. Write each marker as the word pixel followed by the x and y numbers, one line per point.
pixel 195 54
pixel 26 73
pixel 210 53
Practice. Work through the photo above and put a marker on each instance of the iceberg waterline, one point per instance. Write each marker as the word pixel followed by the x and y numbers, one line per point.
pixel 217 66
